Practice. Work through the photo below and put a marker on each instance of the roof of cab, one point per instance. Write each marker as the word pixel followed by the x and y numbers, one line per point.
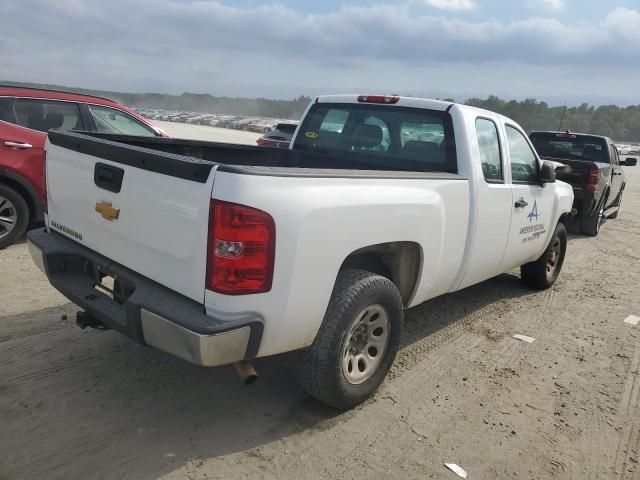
pixel 414 102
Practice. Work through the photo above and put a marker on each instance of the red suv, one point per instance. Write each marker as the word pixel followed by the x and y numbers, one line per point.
pixel 26 115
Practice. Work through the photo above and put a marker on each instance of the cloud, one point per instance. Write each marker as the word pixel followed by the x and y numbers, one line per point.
pixel 453 5
pixel 550 4
pixel 206 45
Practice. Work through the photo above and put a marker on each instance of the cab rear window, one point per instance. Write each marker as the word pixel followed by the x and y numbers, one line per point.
pixel 570 146
pixel 381 136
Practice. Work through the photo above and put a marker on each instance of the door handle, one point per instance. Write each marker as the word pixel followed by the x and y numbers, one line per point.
pixel 21 145
pixel 521 203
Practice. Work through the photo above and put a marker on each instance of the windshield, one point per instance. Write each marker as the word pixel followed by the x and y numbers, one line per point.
pixel 381 136
pixel 570 146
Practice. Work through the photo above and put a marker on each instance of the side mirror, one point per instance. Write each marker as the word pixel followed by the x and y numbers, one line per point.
pixel 629 162
pixel 547 173
pixel 560 168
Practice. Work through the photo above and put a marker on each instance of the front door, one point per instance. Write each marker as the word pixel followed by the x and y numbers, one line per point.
pixel 616 177
pixel 531 206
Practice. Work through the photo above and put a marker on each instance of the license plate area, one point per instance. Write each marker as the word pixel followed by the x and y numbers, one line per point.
pixel 106 284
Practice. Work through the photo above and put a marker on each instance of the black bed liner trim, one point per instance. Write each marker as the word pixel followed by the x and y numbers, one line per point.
pixel 180 166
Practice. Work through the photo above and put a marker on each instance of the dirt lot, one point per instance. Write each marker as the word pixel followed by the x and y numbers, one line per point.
pixel 203 132
pixel 93 405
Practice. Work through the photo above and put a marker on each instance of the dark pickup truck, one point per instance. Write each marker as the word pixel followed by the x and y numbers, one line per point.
pixel 593 169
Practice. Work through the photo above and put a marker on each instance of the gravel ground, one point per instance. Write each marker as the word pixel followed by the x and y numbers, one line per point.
pixel 81 404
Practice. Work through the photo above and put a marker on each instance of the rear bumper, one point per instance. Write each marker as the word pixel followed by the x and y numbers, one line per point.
pixel 142 309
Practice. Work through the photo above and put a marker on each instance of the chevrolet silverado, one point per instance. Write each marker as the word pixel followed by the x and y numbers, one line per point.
pixel 219 254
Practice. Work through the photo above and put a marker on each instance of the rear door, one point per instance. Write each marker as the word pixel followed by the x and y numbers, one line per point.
pixel 531 203
pixel 143 209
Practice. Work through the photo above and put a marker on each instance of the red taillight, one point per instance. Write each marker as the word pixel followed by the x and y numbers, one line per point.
pixel 378 99
pixel 593 179
pixel 263 142
pixel 241 249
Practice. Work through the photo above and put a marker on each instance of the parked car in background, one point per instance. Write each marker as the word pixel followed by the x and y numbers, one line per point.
pixel 279 136
pixel 594 171
pixel 26 115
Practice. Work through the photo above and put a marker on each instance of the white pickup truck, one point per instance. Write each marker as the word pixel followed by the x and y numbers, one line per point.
pixel 218 253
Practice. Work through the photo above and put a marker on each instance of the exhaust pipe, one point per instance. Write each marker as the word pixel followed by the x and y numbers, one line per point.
pixel 247 374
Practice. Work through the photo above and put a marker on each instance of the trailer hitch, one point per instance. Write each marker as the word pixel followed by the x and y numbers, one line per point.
pixel 84 320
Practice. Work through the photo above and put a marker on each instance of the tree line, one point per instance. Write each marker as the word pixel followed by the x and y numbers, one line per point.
pixel 619 123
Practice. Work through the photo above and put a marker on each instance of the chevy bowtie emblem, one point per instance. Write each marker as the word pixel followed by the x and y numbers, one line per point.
pixel 107 210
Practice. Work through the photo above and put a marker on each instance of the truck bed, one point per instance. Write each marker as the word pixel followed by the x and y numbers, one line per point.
pixel 194 159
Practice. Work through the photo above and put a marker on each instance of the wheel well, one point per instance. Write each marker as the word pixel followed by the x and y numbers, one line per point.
pixel 18 187
pixel 398 261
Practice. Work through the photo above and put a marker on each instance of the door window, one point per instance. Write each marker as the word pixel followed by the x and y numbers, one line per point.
pixel 614 155
pixel 524 164
pixel 110 120
pixel 489 145
pixel 44 115
pixel 6 112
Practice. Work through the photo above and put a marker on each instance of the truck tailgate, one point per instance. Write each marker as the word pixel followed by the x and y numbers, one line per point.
pixel 143 209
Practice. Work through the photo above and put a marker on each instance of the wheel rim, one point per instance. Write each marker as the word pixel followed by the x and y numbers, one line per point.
pixel 8 217
pixel 554 257
pixel 366 344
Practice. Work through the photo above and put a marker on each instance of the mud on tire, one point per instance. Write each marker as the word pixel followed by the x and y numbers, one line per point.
pixel 543 273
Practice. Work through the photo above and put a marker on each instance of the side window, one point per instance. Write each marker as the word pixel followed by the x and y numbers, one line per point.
pixel 421 132
pixel 110 120
pixel 334 121
pixel 524 165
pixel 6 112
pixel 614 155
pixel 43 115
pixel 489 145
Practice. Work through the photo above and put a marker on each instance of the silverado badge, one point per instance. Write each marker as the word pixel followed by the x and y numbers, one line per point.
pixel 107 210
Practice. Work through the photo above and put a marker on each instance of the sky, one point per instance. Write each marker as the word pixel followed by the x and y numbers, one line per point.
pixel 559 51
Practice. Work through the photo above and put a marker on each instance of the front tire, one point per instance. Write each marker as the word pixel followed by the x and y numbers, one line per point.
pixel 14 216
pixel 544 272
pixel 615 214
pixel 357 341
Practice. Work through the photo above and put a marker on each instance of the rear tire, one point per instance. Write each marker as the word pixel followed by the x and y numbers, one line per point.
pixel 543 273
pixel 357 341
pixel 591 225
pixel 14 216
